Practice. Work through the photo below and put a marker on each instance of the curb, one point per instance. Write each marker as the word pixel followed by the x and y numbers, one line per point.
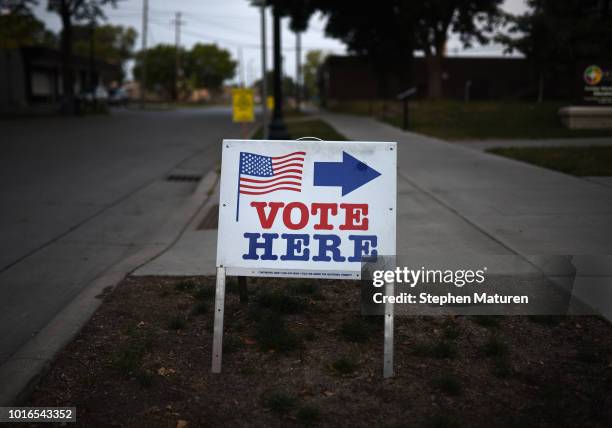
pixel 21 372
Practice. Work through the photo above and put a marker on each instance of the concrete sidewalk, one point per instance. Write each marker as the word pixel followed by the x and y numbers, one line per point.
pixel 454 200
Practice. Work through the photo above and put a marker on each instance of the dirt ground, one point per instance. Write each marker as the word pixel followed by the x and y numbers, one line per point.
pixel 300 354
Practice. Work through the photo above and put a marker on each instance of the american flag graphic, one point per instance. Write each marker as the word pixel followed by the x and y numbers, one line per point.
pixel 259 175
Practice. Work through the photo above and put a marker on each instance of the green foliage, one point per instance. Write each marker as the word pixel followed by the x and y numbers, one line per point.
pixel 280 303
pixel 356 330
pixel 495 347
pixel 344 366
pixel 161 69
pixel 208 65
pixel 580 161
pixel 113 44
pixel 204 293
pixel 279 402
pixel 448 384
pixel 185 285
pixel 177 322
pixel 20 28
pixel 314 59
pixel 128 356
pixel 554 33
pixel 200 308
pixel 272 333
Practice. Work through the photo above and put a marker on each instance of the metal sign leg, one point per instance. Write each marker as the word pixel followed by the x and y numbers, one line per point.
pixel 388 346
pixel 217 351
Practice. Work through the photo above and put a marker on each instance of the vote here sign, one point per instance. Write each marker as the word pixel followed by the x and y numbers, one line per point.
pixel 305 208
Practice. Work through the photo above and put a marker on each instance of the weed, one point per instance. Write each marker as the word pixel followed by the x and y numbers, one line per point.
pixel 127 359
pixel 185 285
pixel 200 308
pixel 272 334
pixel 448 384
pixel 451 331
pixel 247 371
pixel 495 347
pixel 304 288
pixel 231 344
pixel 279 402
pixel 280 303
pixel 356 330
pixel 204 293
pixel 144 378
pixel 177 322
pixel 547 320
pixel 344 366
pixel 443 421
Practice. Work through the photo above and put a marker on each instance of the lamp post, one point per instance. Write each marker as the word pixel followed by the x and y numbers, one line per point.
pixel 277 129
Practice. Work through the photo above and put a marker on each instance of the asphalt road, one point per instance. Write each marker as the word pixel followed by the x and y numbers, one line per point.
pixel 81 194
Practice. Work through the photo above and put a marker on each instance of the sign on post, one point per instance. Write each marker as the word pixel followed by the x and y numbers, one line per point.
pixel 308 209
pixel 242 105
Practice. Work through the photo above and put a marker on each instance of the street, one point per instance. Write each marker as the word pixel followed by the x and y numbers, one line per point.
pixel 81 194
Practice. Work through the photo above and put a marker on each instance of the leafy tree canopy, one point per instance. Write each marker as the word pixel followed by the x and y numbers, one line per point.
pixel 208 65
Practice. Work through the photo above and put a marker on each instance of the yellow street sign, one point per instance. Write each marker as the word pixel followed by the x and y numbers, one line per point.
pixel 242 102
pixel 270 103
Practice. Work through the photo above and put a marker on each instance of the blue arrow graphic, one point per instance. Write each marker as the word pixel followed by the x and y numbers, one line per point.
pixel 350 174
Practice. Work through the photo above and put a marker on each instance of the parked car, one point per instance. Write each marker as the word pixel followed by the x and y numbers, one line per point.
pixel 118 97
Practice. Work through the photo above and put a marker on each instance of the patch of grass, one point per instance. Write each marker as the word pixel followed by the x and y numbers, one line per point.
pixel 279 402
pixel 495 347
pixel 441 349
pixel 127 359
pixel 448 384
pixel 580 160
pixel 304 288
pixel 247 371
pixel 204 293
pixel 356 330
pixel 231 344
pixel 272 334
pixel 492 321
pixel 200 308
pixel 451 331
pixel 309 128
pixel 280 303
pixel 177 322
pixel 308 415
pixel 456 120
pixel 344 366
pixel 185 285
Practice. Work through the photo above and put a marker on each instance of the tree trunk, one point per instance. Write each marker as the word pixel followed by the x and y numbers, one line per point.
pixel 68 102
pixel 434 75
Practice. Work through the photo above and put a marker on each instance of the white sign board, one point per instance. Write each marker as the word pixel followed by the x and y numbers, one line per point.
pixel 305 208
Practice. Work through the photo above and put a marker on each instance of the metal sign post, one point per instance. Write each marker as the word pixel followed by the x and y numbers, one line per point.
pixel 304 209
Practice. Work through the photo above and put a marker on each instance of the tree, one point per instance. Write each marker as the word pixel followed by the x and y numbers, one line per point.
pixel 161 69
pixel 314 59
pixel 77 10
pixel 554 35
pixel 18 27
pixel 208 65
pixel 434 19
pixel 388 32
pixel 112 43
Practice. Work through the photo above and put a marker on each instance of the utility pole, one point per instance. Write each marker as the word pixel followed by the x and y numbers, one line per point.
pixel 178 22
pixel 298 70
pixel 143 72
pixel 241 66
pixel 278 130
pixel 264 80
